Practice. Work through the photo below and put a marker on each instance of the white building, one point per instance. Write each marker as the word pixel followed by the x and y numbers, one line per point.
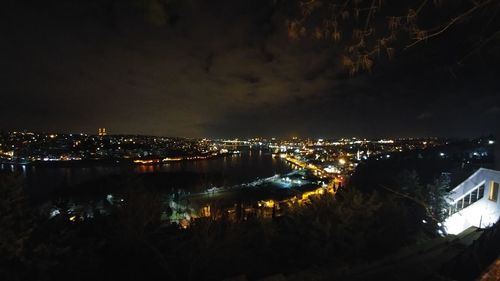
pixel 474 202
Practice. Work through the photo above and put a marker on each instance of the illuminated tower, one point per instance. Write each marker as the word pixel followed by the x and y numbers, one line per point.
pixel 102 132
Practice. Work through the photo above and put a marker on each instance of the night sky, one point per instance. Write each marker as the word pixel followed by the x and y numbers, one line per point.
pixel 227 69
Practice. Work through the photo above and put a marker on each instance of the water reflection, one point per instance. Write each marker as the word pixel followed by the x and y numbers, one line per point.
pixel 233 169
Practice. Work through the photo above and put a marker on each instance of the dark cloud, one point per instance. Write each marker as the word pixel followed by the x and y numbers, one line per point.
pixel 221 68
pixel 424 115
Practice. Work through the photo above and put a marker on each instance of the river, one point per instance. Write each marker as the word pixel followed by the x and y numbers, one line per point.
pixel 229 170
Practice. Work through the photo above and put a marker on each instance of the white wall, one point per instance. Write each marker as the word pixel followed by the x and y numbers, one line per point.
pixel 481 213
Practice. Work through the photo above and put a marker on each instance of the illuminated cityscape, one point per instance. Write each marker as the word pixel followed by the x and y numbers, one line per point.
pixel 317 165
pixel 250 140
pixel 329 156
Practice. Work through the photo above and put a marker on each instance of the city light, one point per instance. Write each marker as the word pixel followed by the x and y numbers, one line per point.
pixel 250 140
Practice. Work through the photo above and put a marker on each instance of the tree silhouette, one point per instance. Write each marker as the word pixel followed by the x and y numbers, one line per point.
pixel 16 223
pixel 368 30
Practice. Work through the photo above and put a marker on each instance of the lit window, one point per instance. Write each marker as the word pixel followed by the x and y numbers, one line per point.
pixel 466 200
pixel 481 192
pixel 473 196
pixel 493 196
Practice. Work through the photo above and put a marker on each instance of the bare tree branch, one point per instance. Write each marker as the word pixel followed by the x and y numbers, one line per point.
pixel 450 23
pixel 479 46
pixel 416 200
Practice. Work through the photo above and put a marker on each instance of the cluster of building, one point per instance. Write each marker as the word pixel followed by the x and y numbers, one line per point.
pixel 341 157
pixel 29 147
pixel 332 156
pixel 474 202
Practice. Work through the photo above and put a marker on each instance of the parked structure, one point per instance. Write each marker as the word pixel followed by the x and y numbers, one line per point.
pixel 474 202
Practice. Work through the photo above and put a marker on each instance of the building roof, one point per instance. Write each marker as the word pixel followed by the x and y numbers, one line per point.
pixel 473 181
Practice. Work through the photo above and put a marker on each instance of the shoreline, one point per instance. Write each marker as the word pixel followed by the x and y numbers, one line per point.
pixel 112 162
